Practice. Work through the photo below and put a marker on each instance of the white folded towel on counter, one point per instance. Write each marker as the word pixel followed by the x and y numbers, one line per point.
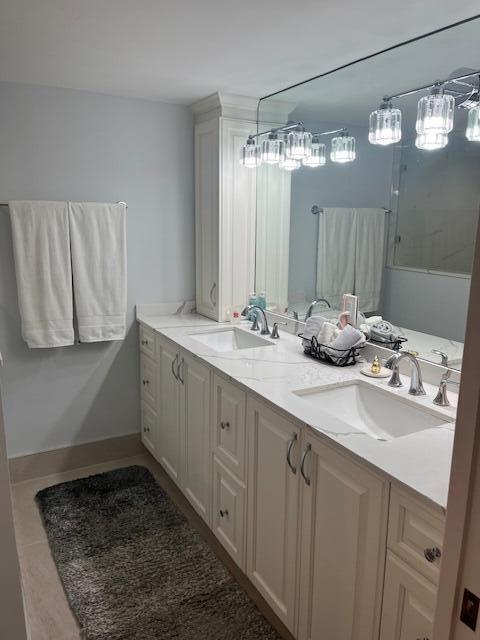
pixel 348 338
pixel 99 264
pixel 41 248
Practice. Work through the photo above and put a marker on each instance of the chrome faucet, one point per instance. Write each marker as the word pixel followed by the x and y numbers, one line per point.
pixel 416 384
pixel 265 330
pixel 441 398
pixel 312 305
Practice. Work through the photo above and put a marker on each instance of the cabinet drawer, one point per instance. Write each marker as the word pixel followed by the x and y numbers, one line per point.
pixel 147 341
pixel 408 603
pixel 229 426
pixel 229 512
pixel 149 428
pixel 148 380
pixel 415 533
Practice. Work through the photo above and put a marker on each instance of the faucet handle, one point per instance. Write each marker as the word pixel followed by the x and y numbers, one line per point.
pixel 443 356
pixel 275 333
pixel 255 326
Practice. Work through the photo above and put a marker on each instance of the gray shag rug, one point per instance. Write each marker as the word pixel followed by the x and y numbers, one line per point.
pixel 134 569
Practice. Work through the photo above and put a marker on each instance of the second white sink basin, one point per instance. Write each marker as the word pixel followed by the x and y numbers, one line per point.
pixel 376 412
pixel 224 340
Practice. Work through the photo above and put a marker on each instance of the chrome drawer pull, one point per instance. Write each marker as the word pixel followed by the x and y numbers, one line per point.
pixel 432 554
pixel 289 452
pixel 180 366
pixel 224 513
pixel 145 381
pixel 225 425
pixel 173 367
pixel 308 448
pixel 144 341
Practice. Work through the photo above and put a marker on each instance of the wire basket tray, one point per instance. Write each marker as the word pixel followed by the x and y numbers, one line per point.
pixel 335 357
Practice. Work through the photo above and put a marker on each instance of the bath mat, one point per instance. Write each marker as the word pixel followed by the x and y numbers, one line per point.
pixel 134 569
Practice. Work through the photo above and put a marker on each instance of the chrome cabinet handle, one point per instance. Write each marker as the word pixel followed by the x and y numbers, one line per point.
pixel 145 381
pixel 308 448
pixel 289 452
pixel 213 299
pixel 180 366
pixel 224 513
pixel 173 367
pixel 144 341
pixel 225 425
pixel 432 554
pixel 145 429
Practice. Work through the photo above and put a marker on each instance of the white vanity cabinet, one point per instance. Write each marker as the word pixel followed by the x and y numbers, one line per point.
pixel 273 507
pixel 342 546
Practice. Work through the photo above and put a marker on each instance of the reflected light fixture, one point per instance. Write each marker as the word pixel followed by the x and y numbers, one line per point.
pixel 343 148
pixel 250 154
pixel 473 124
pixel 435 113
pixel 318 155
pixel 299 143
pixel 385 124
pixel 287 163
pixel 272 148
pixel 431 141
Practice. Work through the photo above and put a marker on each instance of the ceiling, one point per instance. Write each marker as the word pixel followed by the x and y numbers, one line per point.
pixel 184 50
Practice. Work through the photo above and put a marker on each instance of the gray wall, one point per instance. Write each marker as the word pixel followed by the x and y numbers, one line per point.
pixel 62 144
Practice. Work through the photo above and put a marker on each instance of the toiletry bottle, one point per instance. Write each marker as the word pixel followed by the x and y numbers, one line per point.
pixel 252 299
pixel 262 300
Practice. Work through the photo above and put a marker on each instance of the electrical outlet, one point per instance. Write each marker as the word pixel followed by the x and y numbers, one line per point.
pixel 469 612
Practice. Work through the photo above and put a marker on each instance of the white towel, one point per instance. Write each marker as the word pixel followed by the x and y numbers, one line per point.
pixel 99 264
pixel 336 254
pixel 369 261
pixel 41 248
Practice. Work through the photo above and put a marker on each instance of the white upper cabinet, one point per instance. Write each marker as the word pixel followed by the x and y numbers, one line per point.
pixel 344 520
pixel 224 204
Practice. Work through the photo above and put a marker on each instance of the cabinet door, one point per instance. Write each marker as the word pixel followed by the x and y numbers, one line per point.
pixel 408 603
pixel 207 217
pixel 229 425
pixel 195 426
pixel 273 501
pixel 228 518
pixel 344 519
pixel 169 436
pixel 149 428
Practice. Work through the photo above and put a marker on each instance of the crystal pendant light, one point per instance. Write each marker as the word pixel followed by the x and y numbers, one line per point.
pixel 343 148
pixel 385 125
pixel 287 163
pixel 431 141
pixel 317 158
pixel 250 154
pixel 299 143
pixel 473 126
pixel 272 149
pixel 435 112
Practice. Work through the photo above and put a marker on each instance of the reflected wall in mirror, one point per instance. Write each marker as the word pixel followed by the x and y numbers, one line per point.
pixel 352 208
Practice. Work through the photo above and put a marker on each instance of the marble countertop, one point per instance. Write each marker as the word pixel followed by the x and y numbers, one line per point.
pixel 420 461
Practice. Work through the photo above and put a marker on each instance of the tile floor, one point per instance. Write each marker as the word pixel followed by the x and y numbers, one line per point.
pixel 48 613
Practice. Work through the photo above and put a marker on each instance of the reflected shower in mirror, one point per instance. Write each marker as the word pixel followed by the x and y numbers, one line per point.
pixel 368 184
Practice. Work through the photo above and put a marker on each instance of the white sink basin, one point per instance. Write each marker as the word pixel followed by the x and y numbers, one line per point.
pixel 376 412
pixel 234 339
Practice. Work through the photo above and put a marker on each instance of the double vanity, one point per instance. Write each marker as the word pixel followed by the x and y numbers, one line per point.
pixel 327 488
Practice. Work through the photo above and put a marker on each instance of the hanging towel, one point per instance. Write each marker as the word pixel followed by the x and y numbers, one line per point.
pixel 336 255
pixel 369 261
pixel 41 249
pixel 99 264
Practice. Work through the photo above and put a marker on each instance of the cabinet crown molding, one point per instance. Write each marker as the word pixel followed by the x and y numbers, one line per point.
pixel 226 105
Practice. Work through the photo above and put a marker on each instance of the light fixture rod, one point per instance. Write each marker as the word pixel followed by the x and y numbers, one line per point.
pixel 285 127
pixel 329 133
pixel 429 86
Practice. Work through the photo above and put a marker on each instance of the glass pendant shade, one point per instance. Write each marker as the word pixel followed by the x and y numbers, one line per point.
pixel 289 164
pixel 251 154
pixel 272 149
pixel 317 158
pixel 343 149
pixel 431 141
pixel 299 144
pixel 473 126
pixel 435 113
pixel 385 125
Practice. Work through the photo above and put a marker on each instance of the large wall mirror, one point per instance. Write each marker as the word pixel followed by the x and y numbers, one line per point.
pixel 369 183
